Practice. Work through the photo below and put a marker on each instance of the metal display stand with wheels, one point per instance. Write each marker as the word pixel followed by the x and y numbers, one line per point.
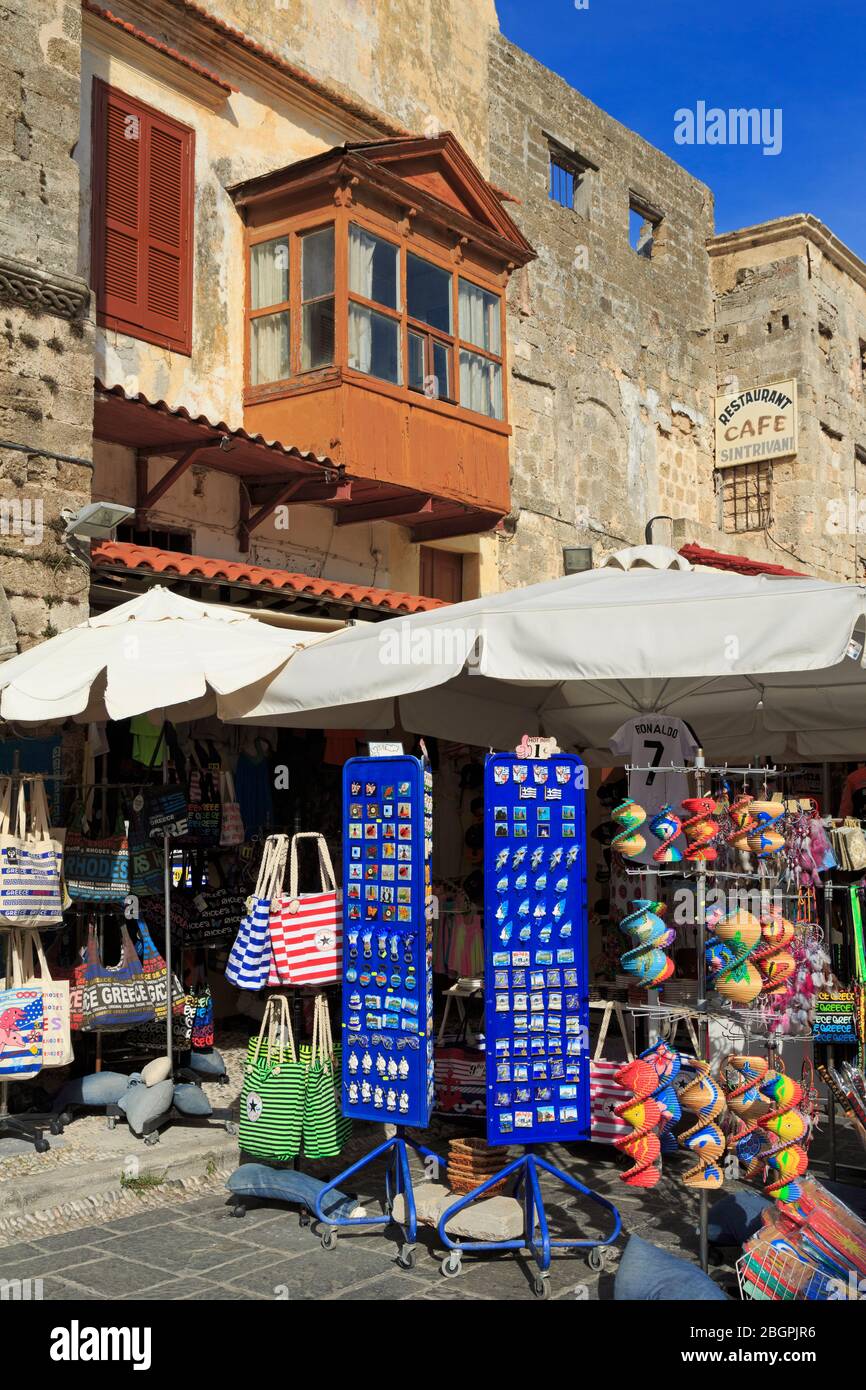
pixel 398 1182
pixel 540 1245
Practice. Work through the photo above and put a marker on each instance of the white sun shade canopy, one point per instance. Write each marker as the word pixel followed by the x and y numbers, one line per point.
pixel 159 653
pixel 756 665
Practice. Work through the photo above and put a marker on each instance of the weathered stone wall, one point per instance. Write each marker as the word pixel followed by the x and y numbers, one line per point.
pixel 412 59
pixel 611 353
pixel 46 345
pixel 795 306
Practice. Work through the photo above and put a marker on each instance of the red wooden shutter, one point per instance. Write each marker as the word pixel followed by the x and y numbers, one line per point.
pixel 142 219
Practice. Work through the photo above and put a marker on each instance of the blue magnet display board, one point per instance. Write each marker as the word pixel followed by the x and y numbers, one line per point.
pixel 535 949
pixel 387 940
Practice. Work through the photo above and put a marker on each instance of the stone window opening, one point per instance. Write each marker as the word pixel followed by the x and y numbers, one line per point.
pixel 862 350
pixel 744 497
pixel 644 227
pixel 570 179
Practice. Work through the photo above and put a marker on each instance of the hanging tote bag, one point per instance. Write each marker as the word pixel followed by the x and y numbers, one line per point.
pixel 250 957
pixel 231 821
pixel 56 1038
pixel 201 1038
pixel 272 1096
pixel 96 870
pixel 307 931
pixel 163 808
pixel 325 1128
pixel 146 860
pixel 156 978
pixel 21 1020
pixel 30 860
pixel 111 996
pixel 203 807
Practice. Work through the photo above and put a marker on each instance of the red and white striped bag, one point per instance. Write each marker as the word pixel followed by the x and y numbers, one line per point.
pixel 307 928
pixel 604 1094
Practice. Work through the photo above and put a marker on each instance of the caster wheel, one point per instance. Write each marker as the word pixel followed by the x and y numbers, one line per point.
pixel 151 1139
pixel 408 1257
pixel 239 1211
pixel 65 1119
pixel 541 1288
pixel 595 1259
pixel 329 1240
pixel 110 1122
pixel 304 1219
pixel 451 1265
pixel 42 1146
pixel 56 1127
pixel 231 1127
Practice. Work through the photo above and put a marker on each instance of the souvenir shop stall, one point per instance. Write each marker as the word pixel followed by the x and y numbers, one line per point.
pixel 133 829
pixel 581 659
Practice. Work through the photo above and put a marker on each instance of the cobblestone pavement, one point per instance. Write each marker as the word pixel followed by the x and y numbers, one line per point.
pixel 196 1249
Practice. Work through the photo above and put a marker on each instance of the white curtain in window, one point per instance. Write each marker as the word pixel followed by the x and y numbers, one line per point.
pixel 362 246
pixel 360 338
pixel 361 249
pixel 479 317
pixel 269 273
pixel 480 385
pixel 269 348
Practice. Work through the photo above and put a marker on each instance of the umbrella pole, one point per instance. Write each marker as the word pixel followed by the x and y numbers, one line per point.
pixel 701 923
pixel 166 870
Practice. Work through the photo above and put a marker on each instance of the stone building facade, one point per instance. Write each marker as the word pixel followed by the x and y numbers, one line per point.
pixel 631 320
pixel 46 349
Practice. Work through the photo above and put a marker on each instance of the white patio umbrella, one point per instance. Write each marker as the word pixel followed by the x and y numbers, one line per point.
pixel 756 665
pixel 159 654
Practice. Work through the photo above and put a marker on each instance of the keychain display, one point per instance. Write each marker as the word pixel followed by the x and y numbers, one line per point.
pixel 536 995
pixel 387 940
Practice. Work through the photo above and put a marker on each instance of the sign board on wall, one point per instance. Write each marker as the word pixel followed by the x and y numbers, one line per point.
pixel 756 424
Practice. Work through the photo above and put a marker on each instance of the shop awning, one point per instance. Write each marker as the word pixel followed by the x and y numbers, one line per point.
pixel 758 666
pixel 266 584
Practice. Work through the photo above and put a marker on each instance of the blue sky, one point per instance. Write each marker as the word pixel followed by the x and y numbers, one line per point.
pixel 643 61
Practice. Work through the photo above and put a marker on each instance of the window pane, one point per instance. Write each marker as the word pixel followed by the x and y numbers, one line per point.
pixel 373 265
pixel 269 273
pixel 442 372
pixel 317 263
pixel 374 344
pixel 481 385
pixel 317 334
pixel 416 361
pixel 428 293
pixel 479 317
pixel 269 348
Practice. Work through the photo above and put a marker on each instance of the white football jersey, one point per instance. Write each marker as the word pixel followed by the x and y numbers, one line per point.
pixel 655 742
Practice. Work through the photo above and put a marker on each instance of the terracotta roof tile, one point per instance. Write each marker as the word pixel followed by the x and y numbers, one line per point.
pixel 123 555
pixel 736 564
pixel 160 47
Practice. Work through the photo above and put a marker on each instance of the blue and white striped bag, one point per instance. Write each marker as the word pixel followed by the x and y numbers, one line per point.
pixel 250 957
pixel 30 860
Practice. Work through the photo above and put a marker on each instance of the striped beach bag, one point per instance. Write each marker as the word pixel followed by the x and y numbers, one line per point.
pixel 604 1095
pixel 307 931
pixel 273 1092
pixel 325 1128
pixel 250 958
pixel 30 860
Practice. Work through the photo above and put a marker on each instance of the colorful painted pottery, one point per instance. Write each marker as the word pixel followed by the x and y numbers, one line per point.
pixel 643 1114
pixel 700 829
pixel 729 947
pixel 767 812
pixel 784 1127
pixel 743 821
pixel 773 959
pixel 745 1102
pixel 704 1098
pixel 628 842
pixel 666 1064
pixel 646 960
pixel 666 826
pixel 765 842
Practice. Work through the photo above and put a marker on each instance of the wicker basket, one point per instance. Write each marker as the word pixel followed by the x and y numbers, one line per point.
pixel 471 1162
